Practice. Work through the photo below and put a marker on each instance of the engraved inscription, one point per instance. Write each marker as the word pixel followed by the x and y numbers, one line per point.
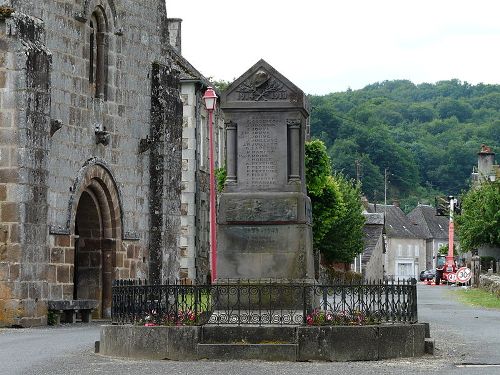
pixel 262 234
pixel 261 210
pixel 258 150
pixel 264 239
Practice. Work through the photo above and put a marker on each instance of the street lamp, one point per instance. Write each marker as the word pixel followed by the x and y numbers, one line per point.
pixel 210 103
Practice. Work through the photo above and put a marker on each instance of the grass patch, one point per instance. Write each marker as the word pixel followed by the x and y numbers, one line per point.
pixel 187 301
pixel 478 297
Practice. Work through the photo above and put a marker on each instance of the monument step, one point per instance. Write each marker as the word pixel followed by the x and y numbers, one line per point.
pixel 246 334
pixel 246 351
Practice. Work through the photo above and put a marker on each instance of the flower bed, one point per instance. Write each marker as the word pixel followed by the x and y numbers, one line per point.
pixel 179 318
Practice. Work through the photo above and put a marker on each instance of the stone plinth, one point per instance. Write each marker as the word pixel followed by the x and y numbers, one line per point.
pixel 264 217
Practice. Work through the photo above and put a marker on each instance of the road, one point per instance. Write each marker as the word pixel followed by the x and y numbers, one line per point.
pixel 463 335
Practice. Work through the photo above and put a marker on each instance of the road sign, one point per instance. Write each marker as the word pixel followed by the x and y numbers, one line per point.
pixel 452 277
pixel 464 274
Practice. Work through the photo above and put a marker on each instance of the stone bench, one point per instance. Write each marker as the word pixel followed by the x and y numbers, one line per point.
pixel 66 310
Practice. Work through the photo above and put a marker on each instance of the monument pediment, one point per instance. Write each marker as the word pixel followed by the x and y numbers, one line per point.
pixel 262 86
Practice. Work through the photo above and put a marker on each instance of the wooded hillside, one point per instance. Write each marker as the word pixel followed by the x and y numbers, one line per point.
pixel 426 135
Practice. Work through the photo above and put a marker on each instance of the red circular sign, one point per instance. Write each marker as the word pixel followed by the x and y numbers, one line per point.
pixel 464 274
pixel 452 277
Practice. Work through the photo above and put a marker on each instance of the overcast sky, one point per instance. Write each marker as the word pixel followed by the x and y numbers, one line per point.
pixel 328 46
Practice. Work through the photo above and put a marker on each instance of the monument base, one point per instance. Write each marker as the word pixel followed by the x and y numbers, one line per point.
pixel 265 236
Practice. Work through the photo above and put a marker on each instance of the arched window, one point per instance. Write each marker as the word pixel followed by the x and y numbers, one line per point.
pixel 98 53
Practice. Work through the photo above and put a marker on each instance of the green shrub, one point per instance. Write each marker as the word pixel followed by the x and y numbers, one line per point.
pixel 51 318
pixel 486 263
pixel 343 277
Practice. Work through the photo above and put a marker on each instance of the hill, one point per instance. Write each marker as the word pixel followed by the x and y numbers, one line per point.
pixel 427 136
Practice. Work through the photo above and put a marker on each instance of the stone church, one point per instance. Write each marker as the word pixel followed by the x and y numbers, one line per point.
pixel 91 159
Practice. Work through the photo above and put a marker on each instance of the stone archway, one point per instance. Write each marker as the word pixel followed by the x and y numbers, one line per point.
pixel 97 233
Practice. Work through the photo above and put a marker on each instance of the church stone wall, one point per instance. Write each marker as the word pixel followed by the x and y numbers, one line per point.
pixel 25 98
pixel 53 127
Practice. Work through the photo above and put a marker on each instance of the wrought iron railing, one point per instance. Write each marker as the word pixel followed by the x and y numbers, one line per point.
pixel 135 302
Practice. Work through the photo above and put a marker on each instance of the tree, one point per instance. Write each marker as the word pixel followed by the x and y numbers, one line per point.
pixel 452 107
pixel 344 239
pixel 336 207
pixel 219 84
pixel 479 223
pixel 325 196
pixel 443 250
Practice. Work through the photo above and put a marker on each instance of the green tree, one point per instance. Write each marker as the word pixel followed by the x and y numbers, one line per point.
pixel 479 223
pixel 344 239
pixel 336 207
pixel 443 250
pixel 318 166
pixel 452 107
pixel 219 84
pixel 325 196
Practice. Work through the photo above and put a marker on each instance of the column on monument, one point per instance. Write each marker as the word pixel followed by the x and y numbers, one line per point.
pixel 294 150
pixel 231 151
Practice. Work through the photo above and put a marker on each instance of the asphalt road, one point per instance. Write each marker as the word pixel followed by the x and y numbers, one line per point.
pixel 467 342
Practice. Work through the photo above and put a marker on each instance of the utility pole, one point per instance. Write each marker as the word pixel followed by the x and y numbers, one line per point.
pixel 358 169
pixel 385 191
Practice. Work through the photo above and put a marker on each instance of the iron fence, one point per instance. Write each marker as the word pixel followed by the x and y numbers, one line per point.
pixel 240 303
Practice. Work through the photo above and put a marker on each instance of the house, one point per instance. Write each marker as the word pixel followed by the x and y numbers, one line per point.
pixel 405 243
pixel 371 261
pixel 435 230
pixel 486 168
pixel 194 246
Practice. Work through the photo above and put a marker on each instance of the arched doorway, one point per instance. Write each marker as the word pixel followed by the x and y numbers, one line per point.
pixel 97 236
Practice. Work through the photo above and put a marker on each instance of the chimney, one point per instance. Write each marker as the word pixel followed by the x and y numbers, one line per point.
pixel 174 31
pixel 485 162
pixel 395 202
pixel 364 201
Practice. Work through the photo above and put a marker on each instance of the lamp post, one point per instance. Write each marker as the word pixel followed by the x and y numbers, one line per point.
pixel 450 260
pixel 210 103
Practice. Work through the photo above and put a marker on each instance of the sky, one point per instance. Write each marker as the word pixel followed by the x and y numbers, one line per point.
pixel 326 46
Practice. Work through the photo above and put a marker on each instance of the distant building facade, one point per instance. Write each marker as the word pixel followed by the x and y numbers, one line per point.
pixel 435 230
pixel 486 167
pixel 405 244
pixel 194 244
pixel 370 263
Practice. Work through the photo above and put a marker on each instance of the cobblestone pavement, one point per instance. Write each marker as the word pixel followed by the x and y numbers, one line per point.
pixel 463 335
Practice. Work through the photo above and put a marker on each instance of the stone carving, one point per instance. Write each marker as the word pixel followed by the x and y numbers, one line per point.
pixel 261 86
pixel 145 144
pixel 102 137
pixel 5 12
pixel 261 210
pixel 55 125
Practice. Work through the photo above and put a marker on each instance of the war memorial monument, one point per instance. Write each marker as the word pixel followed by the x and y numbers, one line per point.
pixel 264 217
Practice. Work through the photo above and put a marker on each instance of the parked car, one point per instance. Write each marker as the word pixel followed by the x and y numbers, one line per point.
pixel 427 275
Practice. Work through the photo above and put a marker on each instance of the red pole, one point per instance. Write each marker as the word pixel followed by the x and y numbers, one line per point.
pixel 449 257
pixel 213 234
pixel 451 231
